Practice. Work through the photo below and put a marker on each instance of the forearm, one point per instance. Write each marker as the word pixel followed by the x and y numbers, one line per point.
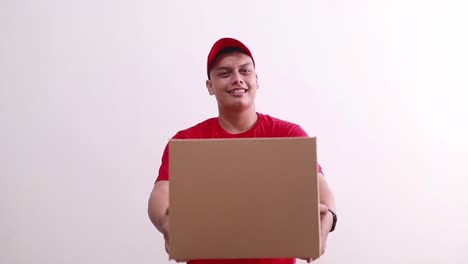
pixel 158 205
pixel 325 194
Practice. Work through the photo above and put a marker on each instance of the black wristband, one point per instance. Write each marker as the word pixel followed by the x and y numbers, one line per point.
pixel 335 219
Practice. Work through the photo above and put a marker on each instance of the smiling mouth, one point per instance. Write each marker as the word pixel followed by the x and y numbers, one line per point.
pixel 238 90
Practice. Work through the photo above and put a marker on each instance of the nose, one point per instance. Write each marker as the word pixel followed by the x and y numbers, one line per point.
pixel 237 78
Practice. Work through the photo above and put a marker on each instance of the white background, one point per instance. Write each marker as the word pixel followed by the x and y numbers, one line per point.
pixel 90 92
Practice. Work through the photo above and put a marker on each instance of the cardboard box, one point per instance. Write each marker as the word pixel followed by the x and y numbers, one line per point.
pixel 243 198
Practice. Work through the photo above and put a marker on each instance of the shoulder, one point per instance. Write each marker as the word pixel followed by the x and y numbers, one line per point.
pixel 275 121
pixel 282 128
pixel 198 130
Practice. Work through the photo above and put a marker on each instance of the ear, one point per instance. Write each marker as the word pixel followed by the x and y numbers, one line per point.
pixel 209 86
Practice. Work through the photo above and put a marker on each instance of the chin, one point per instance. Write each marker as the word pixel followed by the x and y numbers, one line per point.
pixel 239 106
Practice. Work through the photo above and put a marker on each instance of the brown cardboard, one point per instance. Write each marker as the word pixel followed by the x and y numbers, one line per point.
pixel 243 198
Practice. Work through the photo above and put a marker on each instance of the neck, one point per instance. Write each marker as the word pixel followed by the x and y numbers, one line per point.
pixel 237 122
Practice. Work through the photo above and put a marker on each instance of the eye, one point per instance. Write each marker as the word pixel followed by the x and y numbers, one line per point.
pixel 246 71
pixel 223 74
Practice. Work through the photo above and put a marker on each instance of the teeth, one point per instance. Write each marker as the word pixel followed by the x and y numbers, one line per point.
pixel 238 91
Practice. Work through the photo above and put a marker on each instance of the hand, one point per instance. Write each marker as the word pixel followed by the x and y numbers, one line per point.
pixel 165 231
pixel 326 221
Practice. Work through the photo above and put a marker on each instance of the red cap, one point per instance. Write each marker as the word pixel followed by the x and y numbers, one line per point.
pixel 222 44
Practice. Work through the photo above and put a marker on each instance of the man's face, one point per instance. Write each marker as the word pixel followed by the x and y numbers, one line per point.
pixel 233 81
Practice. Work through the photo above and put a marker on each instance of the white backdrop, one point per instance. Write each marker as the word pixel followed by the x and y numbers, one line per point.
pixel 92 90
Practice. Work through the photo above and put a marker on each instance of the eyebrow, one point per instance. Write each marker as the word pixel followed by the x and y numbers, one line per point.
pixel 246 64
pixel 228 68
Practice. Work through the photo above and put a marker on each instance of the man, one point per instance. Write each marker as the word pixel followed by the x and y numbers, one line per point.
pixel 234 83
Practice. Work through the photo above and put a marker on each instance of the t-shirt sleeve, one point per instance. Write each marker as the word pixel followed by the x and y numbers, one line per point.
pixel 297 131
pixel 163 174
pixel 164 168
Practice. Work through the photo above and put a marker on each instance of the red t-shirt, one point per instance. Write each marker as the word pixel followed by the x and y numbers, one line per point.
pixel 265 127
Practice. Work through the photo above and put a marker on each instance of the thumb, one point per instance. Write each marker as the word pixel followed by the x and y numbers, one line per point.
pixel 323 209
